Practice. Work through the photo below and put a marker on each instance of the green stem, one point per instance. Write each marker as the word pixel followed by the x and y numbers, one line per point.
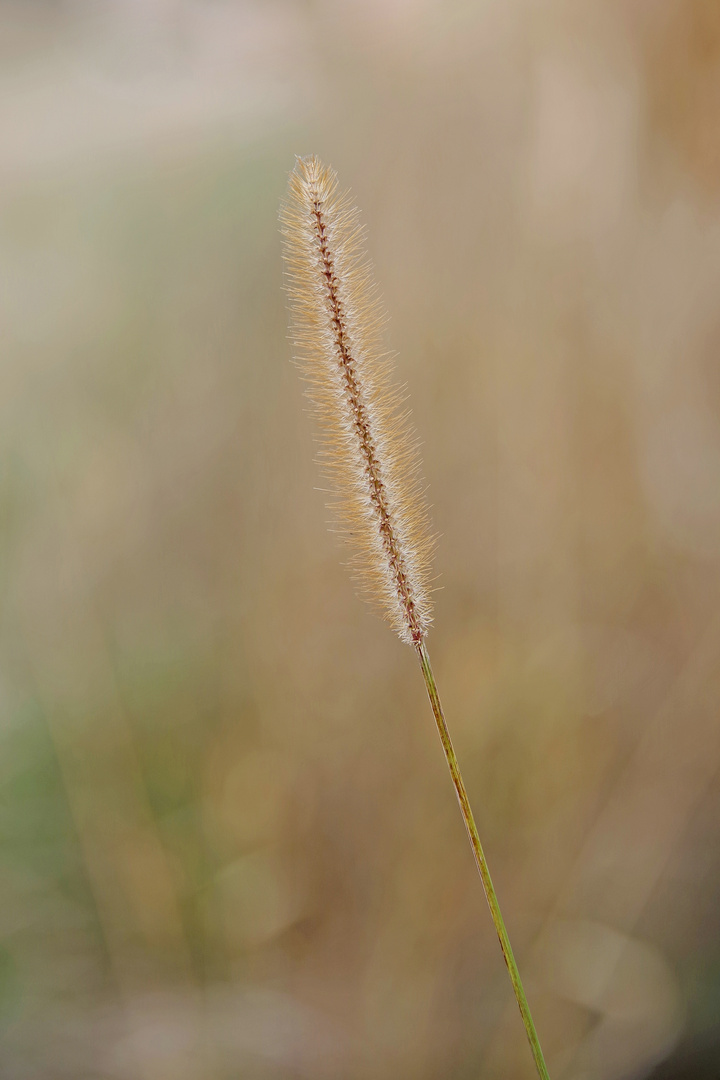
pixel 481 862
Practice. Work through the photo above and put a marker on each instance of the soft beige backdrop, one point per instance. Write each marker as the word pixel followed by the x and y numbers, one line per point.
pixel 229 847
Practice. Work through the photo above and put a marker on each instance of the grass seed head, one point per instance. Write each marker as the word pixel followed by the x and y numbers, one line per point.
pixel 368 449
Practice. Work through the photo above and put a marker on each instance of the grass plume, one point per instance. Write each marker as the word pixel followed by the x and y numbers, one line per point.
pixel 368 448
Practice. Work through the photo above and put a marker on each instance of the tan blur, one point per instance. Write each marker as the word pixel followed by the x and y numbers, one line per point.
pixel 229 845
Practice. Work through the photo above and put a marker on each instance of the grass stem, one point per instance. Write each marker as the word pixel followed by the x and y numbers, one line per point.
pixel 481 862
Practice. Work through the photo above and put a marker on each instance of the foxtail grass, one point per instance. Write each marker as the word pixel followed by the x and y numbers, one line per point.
pixel 368 449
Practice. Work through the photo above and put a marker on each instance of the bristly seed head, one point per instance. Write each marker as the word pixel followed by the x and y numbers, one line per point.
pixel 368 448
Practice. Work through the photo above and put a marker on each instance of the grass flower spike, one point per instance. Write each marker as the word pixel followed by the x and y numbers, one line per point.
pixel 368 448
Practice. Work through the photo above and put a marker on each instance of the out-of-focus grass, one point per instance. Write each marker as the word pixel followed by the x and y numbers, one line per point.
pixel 229 846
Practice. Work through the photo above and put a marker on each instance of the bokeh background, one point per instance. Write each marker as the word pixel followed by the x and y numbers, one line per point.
pixel 229 847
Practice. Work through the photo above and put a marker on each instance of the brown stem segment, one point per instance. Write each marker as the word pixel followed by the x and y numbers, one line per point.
pixel 361 422
pixel 481 862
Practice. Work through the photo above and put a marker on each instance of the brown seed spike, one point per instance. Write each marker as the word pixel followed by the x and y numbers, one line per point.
pixel 368 448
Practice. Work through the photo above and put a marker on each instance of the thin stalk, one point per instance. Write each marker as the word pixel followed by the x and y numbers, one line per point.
pixel 481 862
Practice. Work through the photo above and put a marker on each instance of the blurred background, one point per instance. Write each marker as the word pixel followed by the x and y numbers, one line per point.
pixel 229 846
